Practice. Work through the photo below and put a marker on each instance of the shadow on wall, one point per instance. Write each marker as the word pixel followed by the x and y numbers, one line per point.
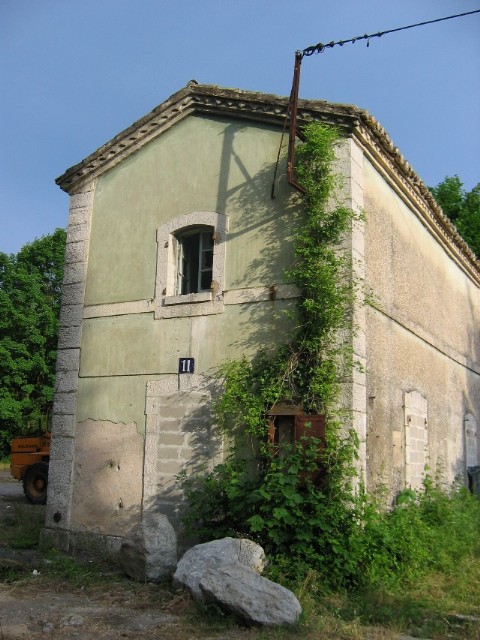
pixel 259 249
pixel 259 244
pixel 108 482
pixel 181 438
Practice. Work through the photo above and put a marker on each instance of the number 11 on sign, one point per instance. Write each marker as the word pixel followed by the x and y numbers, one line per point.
pixel 186 365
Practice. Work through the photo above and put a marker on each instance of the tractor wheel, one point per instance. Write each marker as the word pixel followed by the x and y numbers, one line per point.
pixel 35 483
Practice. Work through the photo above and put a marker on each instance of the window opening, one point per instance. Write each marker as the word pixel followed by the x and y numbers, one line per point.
pixel 194 260
pixel 288 426
pixel 281 432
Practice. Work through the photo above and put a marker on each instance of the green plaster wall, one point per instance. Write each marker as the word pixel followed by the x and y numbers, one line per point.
pixel 118 399
pixel 121 354
pixel 138 344
pixel 201 164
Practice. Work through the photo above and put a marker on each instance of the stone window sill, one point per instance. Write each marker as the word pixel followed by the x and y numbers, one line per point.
pixel 203 296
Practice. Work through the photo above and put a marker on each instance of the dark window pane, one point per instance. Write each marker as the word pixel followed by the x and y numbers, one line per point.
pixel 195 266
pixel 206 280
pixel 207 260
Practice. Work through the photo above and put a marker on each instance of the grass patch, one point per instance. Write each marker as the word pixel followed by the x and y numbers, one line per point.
pixel 10 574
pixel 422 579
pixel 440 607
pixel 78 573
pixel 21 525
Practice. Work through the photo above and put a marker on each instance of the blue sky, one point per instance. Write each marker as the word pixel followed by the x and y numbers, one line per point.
pixel 74 73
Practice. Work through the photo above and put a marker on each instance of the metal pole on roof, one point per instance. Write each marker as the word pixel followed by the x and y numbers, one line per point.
pixel 293 109
pixel 320 48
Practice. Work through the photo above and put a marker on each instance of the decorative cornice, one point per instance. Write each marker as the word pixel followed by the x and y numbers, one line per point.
pixel 272 109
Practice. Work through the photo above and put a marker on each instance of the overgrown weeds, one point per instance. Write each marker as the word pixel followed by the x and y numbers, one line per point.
pixel 323 538
pixel 439 599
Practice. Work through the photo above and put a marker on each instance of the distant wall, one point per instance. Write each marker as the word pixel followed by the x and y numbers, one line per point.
pixel 423 335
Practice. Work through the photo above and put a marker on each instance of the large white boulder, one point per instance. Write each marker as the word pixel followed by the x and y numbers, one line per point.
pixel 253 599
pixel 217 553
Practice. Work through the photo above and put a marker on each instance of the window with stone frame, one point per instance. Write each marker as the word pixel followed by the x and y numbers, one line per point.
pixel 416 439
pixel 289 425
pixel 190 277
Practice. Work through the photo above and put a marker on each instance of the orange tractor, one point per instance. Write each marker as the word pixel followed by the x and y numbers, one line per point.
pixel 29 462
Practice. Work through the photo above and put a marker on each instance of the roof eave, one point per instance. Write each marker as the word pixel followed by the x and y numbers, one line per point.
pixel 202 99
pixel 270 109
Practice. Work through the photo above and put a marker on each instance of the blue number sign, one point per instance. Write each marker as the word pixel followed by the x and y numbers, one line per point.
pixel 186 365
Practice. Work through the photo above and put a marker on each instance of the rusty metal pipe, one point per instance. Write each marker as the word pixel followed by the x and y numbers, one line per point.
pixel 293 108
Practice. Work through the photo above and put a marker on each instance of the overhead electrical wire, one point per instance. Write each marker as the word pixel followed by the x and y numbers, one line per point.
pixel 320 48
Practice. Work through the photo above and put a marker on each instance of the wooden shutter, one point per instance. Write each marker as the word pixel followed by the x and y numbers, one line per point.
pixel 271 431
pixel 312 426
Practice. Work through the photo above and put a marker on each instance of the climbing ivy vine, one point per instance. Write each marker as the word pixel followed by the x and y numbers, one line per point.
pixel 306 370
pixel 323 535
pixel 256 492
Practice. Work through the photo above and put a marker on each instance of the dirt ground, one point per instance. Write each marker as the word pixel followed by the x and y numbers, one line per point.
pixel 37 607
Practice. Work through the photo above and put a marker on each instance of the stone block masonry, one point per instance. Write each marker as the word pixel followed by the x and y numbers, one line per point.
pixel 180 437
pixel 59 504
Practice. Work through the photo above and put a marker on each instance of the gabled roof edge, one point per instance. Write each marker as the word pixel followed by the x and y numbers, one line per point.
pixel 266 108
pixel 208 99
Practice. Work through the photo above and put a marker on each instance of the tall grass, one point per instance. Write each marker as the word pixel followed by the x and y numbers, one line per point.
pixel 428 531
pixel 417 569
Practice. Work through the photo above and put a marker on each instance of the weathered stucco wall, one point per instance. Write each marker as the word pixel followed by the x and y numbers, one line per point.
pixel 202 164
pixel 121 354
pixel 107 467
pixel 423 334
pixel 128 383
pixel 417 339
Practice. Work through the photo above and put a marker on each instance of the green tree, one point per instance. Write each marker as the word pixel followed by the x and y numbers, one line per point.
pixel 462 208
pixel 30 290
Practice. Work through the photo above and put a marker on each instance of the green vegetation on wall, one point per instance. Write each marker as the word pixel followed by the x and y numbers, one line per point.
pixel 323 533
pixel 263 492
pixel 305 370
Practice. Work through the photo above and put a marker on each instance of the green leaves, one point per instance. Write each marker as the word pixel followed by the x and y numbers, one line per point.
pixel 274 499
pixel 462 208
pixel 30 288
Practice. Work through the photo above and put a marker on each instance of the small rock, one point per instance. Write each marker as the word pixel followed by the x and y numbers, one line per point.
pixel 72 621
pixel 464 618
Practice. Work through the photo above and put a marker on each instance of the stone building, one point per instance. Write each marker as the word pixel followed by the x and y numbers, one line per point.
pixel 174 249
